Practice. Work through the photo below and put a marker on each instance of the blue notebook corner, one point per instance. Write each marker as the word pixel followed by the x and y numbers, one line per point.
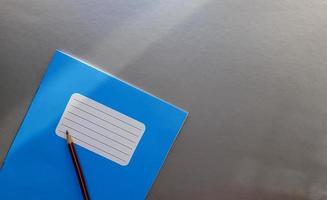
pixel 123 136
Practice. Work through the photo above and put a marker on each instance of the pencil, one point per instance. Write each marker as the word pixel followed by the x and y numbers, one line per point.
pixel 77 166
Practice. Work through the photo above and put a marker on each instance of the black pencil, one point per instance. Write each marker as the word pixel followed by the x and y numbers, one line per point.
pixel 77 166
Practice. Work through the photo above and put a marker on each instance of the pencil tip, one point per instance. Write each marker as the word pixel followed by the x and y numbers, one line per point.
pixel 68 137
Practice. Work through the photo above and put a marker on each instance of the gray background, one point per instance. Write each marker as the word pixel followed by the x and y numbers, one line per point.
pixel 252 74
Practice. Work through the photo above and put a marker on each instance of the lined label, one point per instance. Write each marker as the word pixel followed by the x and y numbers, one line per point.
pixel 100 129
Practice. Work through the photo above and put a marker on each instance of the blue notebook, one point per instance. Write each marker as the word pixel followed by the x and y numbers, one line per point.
pixel 122 136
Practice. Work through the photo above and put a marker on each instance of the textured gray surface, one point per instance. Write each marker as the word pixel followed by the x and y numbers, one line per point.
pixel 252 74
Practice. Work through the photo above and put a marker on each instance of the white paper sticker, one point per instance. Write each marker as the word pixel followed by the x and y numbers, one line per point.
pixel 100 129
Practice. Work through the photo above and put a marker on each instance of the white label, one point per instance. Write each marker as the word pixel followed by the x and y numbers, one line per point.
pixel 100 129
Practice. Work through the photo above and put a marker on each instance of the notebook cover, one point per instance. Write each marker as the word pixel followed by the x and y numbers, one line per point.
pixel 38 164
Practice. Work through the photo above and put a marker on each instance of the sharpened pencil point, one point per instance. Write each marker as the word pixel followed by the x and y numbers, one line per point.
pixel 69 137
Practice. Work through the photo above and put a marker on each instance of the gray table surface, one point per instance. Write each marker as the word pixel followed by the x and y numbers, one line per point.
pixel 252 74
